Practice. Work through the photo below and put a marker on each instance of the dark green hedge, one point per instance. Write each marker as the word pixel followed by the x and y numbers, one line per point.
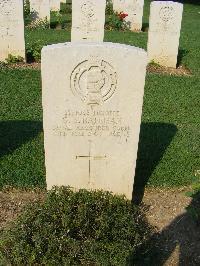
pixel 76 228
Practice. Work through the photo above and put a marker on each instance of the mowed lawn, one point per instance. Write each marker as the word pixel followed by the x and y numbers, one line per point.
pixel 169 145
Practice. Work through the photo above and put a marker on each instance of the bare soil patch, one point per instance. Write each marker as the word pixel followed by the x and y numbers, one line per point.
pixel 12 202
pixel 25 65
pixel 179 71
pixel 177 236
pixel 21 65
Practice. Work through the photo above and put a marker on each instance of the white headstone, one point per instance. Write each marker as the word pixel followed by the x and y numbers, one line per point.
pixel 40 9
pixel 164 32
pixel 55 5
pixel 11 29
pixel 92 113
pixel 134 9
pixel 88 19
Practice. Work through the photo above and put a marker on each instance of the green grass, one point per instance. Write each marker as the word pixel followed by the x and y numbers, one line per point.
pixel 21 138
pixel 170 136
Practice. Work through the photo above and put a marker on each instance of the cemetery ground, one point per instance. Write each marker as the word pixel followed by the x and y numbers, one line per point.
pixel 168 164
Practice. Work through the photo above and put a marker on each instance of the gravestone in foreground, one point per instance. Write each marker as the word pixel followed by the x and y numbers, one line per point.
pixel 11 29
pixel 134 9
pixel 92 107
pixel 40 10
pixel 88 19
pixel 55 5
pixel 164 32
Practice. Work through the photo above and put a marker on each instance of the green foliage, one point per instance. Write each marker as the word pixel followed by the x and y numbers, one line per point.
pixel 76 228
pixel 33 51
pixel 153 63
pixel 27 13
pixel 66 8
pixel 12 59
pixel 109 7
pixel 39 24
pixel 58 20
pixel 116 21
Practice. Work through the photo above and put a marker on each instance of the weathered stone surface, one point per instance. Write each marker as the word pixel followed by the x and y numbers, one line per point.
pixel 88 19
pixel 92 108
pixel 164 32
pixel 40 10
pixel 55 5
pixel 11 29
pixel 134 9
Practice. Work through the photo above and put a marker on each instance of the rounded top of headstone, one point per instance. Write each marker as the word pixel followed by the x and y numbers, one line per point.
pixel 174 3
pixel 110 45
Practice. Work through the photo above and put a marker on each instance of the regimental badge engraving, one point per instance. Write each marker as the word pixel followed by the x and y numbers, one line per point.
pixel 94 81
pixel 167 13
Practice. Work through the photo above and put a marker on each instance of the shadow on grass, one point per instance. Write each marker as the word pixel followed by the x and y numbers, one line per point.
pixel 154 140
pixel 181 54
pixel 145 27
pixel 14 133
pixel 181 236
pixel 193 2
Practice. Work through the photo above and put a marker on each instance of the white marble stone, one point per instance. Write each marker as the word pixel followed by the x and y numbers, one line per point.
pixel 164 32
pixel 88 19
pixel 55 5
pixel 40 9
pixel 134 9
pixel 92 105
pixel 11 29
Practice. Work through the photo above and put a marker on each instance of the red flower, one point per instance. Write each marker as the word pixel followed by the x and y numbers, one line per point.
pixel 122 15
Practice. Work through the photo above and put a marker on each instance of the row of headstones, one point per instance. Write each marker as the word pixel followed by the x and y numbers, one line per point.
pixel 164 25
pixel 89 18
pixel 12 23
pixel 42 8
pixel 88 24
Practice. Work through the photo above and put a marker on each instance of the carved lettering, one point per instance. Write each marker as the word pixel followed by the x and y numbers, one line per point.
pixel 91 123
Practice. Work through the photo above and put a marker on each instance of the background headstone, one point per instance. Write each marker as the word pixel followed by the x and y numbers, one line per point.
pixel 88 20
pixel 134 9
pixel 40 9
pixel 11 29
pixel 55 5
pixel 164 32
pixel 92 113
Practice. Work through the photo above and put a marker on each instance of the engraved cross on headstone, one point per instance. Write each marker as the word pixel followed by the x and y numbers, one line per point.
pixel 90 157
